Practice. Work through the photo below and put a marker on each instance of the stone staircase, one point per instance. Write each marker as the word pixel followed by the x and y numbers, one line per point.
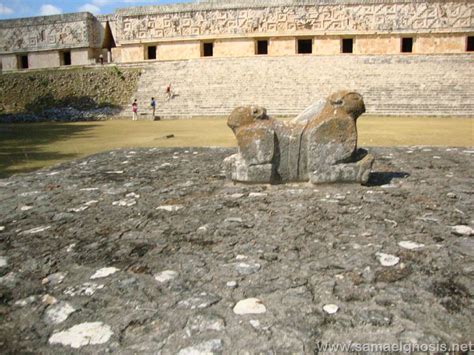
pixel 391 85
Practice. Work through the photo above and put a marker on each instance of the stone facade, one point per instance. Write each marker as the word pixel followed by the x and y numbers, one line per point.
pixel 295 17
pixel 44 39
pixel 175 32
pixel 376 27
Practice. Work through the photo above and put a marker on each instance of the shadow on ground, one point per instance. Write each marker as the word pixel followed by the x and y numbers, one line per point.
pixel 384 178
pixel 22 150
pixel 79 102
pixel 48 108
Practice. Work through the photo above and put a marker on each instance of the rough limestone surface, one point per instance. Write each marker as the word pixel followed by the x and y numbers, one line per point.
pixel 315 245
pixel 319 145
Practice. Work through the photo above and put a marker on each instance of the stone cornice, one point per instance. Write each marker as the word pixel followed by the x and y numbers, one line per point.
pixel 246 4
pixel 46 20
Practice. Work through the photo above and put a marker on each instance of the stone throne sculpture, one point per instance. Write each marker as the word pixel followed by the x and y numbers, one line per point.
pixel 319 145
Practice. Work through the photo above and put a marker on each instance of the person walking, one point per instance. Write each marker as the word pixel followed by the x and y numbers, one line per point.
pixel 168 91
pixel 153 106
pixel 135 110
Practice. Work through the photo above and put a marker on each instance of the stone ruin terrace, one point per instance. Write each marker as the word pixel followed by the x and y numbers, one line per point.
pixel 181 247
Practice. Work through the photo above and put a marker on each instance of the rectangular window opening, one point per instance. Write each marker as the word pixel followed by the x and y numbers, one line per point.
pixel 347 45
pixel 407 45
pixel 66 58
pixel 470 44
pixel 151 52
pixel 23 61
pixel 305 46
pixel 262 47
pixel 208 49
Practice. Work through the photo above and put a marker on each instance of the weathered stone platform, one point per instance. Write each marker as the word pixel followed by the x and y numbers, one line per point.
pixel 296 248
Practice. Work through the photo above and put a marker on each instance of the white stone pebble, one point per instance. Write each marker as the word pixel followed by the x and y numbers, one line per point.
pixel 90 333
pixel 132 195
pixel 247 269
pixel 410 245
pixel 25 301
pixel 104 272
pixel 257 194
pixel 212 346
pixel 231 284
pixel 115 172
pixel 462 230
pixel 58 313
pixel 387 259
pixel 250 306
pixel 170 208
pixel 78 209
pixel 128 202
pixel 203 228
pixel 36 230
pixel 330 308
pixel 86 289
pixel 255 323
pixel 3 261
pixel 166 276
pixel 2 228
pixel 233 220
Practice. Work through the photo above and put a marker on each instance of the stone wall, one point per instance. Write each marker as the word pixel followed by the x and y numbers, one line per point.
pixel 376 26
pixel 34 92
pixel 44 39
pixel 243 18
pixel 179 31
pixel 48 33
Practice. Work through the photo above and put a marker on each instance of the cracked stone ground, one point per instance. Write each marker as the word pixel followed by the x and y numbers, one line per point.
pixel 151 251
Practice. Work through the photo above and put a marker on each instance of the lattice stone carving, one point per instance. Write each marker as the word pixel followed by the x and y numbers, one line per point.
pixel 346 18
pixel 50 36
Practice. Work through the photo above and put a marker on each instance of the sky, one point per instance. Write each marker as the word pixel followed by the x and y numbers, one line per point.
pixel 27 8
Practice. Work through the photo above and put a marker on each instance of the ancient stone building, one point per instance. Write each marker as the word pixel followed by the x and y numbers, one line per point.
pixel 241 28
pixel 295 50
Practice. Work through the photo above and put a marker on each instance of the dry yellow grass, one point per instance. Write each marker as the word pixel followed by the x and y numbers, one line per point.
pixel 25 147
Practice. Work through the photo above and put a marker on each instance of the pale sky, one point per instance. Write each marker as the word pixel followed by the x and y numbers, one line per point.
pixel 27 8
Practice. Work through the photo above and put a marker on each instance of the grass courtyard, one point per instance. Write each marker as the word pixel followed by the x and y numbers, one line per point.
pixel 26 147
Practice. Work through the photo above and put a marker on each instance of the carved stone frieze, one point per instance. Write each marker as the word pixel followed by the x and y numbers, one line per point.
pixel 34 34
pixel 286 19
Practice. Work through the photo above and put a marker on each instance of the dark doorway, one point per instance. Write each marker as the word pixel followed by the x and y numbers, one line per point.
pixel 347 45
pixel 151 52
pixel 66 60
pixel 407 45
pixel 208 49
pixel 470 44
pixel 305 46
pixel 109 41
pixel 23 61
pixel 262 47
